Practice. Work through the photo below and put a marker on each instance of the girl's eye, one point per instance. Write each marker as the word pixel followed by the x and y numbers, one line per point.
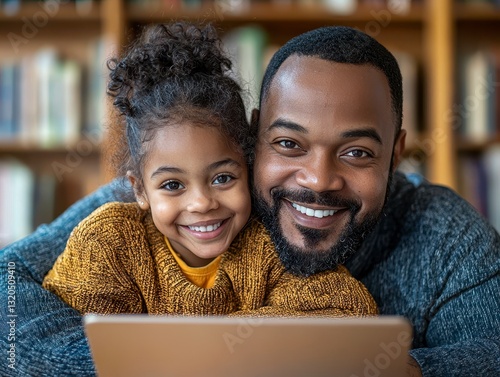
pixel 288 144
pixel 172 186
pixel 222 179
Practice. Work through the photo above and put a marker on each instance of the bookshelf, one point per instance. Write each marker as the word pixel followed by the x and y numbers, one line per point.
pixel 435 35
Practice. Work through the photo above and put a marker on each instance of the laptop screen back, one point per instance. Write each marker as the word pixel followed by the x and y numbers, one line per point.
pixel 141 345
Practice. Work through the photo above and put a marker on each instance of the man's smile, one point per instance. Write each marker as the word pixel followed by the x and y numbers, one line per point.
pixel 319 213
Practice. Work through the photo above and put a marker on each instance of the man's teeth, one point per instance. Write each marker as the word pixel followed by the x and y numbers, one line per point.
pixel 313 212
pixel 204 229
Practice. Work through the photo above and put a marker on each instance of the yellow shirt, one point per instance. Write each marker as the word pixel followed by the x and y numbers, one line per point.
pixel 203 277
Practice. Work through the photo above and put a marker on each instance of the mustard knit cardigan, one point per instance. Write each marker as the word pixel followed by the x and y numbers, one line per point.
pixel 116 261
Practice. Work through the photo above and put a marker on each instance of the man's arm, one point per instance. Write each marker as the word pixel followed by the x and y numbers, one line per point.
pixel 436 261
pixel 463 336
pixel 461 321
pixel 45 335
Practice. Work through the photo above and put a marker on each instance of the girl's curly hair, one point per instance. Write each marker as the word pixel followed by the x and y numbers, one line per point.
pixel 173 73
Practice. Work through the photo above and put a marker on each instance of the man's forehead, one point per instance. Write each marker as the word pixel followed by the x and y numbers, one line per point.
pixel 296 68
pixel 310 89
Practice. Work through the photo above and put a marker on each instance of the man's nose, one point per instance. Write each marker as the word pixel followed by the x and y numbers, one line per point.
pixel 321 173
pixel 202 201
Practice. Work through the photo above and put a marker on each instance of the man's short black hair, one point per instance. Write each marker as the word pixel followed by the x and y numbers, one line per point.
pixel 341 44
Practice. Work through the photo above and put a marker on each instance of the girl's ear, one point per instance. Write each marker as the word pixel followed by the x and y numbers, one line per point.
pixel 139 193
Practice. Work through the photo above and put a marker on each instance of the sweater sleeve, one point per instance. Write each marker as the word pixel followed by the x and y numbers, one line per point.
pixel 332 293
pixel 90 275
pixel 463 332
pixel 329 294
pixel 443 274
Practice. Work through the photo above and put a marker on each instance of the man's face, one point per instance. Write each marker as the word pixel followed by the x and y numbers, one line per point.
pixel 323 159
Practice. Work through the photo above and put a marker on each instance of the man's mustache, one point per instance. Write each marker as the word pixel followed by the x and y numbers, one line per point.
pixel 305 196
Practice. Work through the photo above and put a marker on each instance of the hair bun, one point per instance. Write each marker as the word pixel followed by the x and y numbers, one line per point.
pixel 163 52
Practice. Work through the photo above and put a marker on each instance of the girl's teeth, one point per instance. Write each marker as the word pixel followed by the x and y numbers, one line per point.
pixel 313 213
pixel 203 229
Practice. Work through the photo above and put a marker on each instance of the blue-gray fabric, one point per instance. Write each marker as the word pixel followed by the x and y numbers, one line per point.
pixel 432 259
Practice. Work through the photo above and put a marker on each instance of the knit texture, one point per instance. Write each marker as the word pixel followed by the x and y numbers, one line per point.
pixel 116 261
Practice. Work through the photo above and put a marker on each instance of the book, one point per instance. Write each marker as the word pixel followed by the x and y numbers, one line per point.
pixel 46 62
pixel 477 96
pixel 491 159
pixel 16 201
pixel 246 47
pixel 342 7
pixel 41 98
pixel 7 98
pixel 473 181
pixel 94 88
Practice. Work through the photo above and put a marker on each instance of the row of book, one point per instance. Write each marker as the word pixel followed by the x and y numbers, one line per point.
pixel 477 117
pixel 29 198
pixel 480 182
pixel 19 191
pixel 49 101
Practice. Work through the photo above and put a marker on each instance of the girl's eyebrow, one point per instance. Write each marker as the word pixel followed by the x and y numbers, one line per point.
pixel 221 163
pixel 166 169
pixel 212 166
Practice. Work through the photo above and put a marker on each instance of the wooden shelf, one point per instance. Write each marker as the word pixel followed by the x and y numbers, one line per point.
pixel 269 12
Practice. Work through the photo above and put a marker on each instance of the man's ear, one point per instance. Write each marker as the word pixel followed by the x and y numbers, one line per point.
pixel 399 148
pixel 139 192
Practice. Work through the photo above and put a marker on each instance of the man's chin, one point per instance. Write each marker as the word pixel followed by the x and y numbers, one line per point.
pixel 317 249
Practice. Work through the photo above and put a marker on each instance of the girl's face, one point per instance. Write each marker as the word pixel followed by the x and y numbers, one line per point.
pixel 196 186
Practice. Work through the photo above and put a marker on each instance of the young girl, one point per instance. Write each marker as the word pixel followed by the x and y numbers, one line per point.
pixel 187 246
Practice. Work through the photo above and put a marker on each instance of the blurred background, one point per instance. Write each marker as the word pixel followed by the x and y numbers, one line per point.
pixel 54 148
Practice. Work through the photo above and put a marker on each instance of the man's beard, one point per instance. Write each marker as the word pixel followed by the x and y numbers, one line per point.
pixel 309 260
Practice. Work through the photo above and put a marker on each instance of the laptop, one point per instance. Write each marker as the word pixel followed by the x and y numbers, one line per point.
pixel 175 346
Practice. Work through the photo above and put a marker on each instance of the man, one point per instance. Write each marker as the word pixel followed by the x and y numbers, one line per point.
pixel 329 141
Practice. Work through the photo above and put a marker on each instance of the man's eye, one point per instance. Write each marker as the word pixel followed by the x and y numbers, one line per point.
pixel 288 144
pixel 222 179
pixel 358 153
pixel 172 186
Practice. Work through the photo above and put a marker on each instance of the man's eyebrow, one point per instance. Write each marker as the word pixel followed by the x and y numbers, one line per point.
pixel 283 123
pixel 363 132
